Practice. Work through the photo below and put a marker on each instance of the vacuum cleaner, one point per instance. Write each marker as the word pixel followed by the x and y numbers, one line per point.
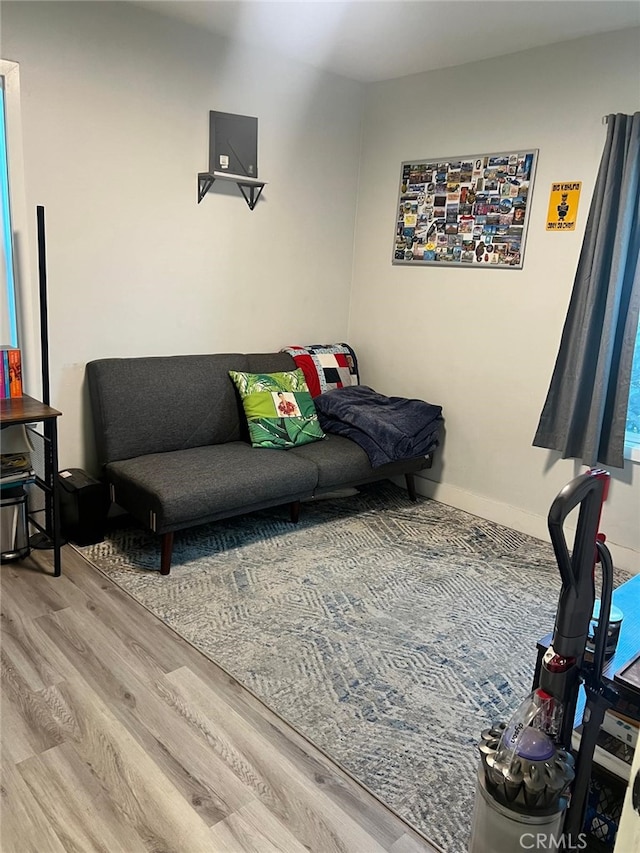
pixel 531 792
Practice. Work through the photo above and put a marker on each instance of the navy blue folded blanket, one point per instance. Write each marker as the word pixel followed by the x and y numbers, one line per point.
pixel 387 428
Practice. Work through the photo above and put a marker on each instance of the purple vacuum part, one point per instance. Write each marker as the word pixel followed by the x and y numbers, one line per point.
pixel 535 745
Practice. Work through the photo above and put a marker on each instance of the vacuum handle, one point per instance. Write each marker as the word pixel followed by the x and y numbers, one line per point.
pixel 600 697
pixel 589 489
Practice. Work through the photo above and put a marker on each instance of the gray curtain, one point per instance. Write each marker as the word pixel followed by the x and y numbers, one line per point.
pixel 585 412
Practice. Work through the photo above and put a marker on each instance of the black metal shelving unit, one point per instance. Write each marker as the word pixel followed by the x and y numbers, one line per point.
pixel 28 412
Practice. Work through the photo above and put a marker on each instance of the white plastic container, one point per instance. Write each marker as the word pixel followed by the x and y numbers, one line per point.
pixel 14 528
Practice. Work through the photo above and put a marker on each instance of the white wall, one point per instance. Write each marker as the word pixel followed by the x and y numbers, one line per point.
pixel 115 126
pixel 115 110
pixel 481 342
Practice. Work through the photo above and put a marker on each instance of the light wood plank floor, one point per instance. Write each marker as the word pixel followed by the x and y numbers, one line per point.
pixel 119 737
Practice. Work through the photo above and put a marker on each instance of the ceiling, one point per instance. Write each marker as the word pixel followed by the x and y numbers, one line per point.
pixel 372 40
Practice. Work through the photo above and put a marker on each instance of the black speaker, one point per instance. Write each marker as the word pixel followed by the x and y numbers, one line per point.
pixel 84 505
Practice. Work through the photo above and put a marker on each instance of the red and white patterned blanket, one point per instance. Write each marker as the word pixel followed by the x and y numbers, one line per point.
pixel 326 366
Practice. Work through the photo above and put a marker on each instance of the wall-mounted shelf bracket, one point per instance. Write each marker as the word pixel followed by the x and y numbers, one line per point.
pixel 251 193
pixel 205 182
pixel 251 188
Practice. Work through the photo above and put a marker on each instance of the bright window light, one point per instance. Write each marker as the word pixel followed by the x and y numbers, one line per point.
pixel 10 320
pixel 632 435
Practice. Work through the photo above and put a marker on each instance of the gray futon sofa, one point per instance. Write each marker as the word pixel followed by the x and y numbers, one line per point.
pixel 172 442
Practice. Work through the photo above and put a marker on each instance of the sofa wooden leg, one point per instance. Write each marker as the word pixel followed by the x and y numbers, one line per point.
pixel 411 487
pixel 294 511
pixel 166 550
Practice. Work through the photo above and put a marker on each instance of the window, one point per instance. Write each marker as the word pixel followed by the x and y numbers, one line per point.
pixel 8 318
pixel 18 292
pixel 632 435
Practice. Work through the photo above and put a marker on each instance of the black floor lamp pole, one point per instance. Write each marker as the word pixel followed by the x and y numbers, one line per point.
pixel 44 325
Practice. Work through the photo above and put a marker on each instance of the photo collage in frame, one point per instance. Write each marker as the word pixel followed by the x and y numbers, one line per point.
pixel 465 211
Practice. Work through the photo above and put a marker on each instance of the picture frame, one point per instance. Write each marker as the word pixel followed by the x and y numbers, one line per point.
pixel 470 211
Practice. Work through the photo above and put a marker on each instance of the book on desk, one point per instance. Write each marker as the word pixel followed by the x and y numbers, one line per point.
pixel 15 460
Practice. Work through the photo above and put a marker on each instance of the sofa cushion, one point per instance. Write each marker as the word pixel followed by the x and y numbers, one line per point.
pixel 167 491
pixel 341 462
pixel 267 362
pixel 278 407
pixel 157 404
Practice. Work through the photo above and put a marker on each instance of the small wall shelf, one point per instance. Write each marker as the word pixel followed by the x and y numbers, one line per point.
pixel 251 188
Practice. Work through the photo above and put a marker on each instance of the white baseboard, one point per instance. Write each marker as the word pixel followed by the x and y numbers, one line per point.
pixel 510 516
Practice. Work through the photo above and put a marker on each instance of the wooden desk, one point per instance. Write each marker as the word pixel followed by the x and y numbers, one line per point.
pixel 26 410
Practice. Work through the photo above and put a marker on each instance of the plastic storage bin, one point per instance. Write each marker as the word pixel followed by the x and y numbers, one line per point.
pixel 14 525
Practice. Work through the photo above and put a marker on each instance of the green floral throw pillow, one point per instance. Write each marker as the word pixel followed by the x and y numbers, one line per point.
pixel 279 408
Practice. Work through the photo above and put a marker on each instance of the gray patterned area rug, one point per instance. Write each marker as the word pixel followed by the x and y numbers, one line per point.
pixel 390 633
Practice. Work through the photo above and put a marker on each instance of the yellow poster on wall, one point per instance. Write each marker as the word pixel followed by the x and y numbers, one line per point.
pixel 563 206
